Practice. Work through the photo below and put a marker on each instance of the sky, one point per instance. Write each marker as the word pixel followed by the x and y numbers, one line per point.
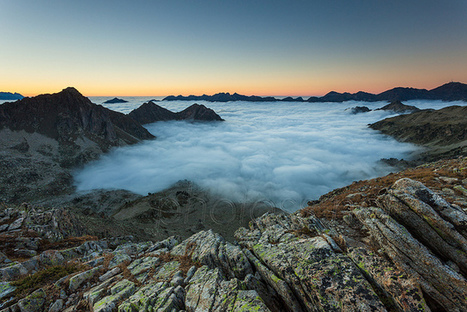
pixel 261 47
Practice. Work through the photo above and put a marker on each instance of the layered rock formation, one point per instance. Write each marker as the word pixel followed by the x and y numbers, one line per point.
pixel 150 112
pixel 405 253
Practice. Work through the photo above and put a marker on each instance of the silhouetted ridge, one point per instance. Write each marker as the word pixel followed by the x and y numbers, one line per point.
pixel 115 100
pixel 198 112
pixel 453 91
pixel 398 107
pixel 68 115
pixel 220 97
pixel 10 96
pixel 150 112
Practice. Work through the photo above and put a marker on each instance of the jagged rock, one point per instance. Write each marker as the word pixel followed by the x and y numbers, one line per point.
pixel 409 202
pixel 438 281
pixel 210 248
pixel 147 296
pixel 57 306
pixel 109 274
pixel 77 280
pixel 316 274
pixel 34 302
pixel 6 289
pixel 398 288
pixel 248 300
pixel 121 291
pixel 406 255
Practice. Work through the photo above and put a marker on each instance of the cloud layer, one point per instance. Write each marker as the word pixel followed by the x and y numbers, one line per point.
pixel 287 153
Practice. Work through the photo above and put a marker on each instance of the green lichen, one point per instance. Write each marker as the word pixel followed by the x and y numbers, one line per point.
pixel 44 277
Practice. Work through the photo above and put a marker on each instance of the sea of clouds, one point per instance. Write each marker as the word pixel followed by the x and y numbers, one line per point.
pixel 285 153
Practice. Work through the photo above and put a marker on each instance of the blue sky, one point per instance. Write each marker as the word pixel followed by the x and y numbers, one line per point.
pixel 251 47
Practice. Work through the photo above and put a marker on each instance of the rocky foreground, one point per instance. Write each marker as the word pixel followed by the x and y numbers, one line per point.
pixel 388 244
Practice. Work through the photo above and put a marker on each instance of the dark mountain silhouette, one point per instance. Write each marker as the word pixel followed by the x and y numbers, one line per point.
pixel 198 112
pixel 453 91
pixel 10 96
pixel 221 97
pixel 115 100
pixel 398 107
pixel 150 112
pixel 67 116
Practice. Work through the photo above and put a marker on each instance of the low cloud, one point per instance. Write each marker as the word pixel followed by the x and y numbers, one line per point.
pixel 283 152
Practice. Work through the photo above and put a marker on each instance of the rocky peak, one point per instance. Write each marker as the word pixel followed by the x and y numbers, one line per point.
pixel 150 112
pixel 198 112
pixel 68 115
pixel 398 107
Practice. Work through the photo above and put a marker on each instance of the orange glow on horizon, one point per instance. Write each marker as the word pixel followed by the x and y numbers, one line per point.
pixel 305 89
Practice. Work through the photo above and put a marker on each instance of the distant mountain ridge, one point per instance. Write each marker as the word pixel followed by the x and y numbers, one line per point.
pixel 10 96
pixel 452 91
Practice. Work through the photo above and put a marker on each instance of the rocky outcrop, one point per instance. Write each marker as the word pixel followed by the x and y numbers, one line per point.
pixel 115 100
pixel 150 112
pixel 358 109
pixel 440 127
pixel 398 107
pixel 442 132
pixel 198 112
pixel 406 253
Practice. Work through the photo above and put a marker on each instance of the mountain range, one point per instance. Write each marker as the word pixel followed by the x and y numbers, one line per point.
pixel 10 96
pixel 452 91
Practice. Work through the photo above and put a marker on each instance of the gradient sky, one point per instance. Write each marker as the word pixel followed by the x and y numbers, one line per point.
pixel 268 47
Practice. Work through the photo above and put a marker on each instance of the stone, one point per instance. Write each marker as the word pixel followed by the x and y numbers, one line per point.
pixel 6 289
pixel 438 281
pixel 109 274
pixel 12 272
pixel 18 223
pixel 57 306
pixel 120 291
pixel 34 302
pixel 77 280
